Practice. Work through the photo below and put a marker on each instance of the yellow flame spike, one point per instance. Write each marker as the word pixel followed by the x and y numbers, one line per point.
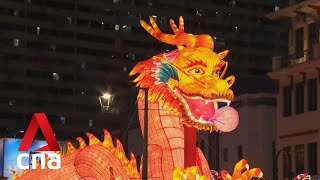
pixel 25 171
pixel 15 175
pixel 133 161
pixel 59 153
pixel 82 143
pixel 107 142
pixel 119 146
pixel 37 165
pixel 71 148
pixel 120 153
pixel 46 158
pixel 92 139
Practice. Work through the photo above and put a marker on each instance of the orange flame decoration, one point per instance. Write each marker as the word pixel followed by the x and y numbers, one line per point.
pixel 130 166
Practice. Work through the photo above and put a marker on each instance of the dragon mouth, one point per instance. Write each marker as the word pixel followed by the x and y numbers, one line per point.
pixel 203 112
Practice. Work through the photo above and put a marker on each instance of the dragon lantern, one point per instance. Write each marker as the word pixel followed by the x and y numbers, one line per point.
pixel 188 91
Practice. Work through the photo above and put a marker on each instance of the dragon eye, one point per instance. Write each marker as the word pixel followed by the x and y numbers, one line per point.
pixel 216 73
pixel 196 71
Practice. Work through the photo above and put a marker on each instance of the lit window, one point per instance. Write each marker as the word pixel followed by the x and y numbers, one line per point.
pixel 276 8
pixel 91 122
pixel 117 27
pixel 63 120
pixel 83 65
pixel 124 68
pixel 69 20
pixel 199 12
pixel 53 47
pixel 16 42
pixel 16 12
pixel 102 25
pixel 154 17
pixel 55 76
pixel 126 28
pixel 232 3
pixel 38 30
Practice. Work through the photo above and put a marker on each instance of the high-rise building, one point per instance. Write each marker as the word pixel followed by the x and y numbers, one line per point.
pixel 297 75
pixel 59 57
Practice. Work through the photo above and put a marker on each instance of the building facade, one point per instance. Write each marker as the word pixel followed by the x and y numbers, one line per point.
pixel 297 77
pixel 252 139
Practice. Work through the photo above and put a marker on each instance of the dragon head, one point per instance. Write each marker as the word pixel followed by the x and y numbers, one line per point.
pixel 189 80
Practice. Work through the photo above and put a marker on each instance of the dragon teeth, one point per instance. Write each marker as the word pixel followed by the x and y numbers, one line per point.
pixel 215 103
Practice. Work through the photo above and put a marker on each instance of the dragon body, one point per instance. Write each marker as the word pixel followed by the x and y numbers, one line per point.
pixel 186 88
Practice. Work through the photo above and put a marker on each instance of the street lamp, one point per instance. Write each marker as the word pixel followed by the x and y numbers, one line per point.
pixel 105 101
pixel 20 131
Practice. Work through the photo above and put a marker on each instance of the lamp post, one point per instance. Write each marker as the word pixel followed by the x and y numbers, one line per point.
pixel 145 137
pixel 20 131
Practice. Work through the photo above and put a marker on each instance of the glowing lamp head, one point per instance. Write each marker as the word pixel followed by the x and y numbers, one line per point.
pixel 106 96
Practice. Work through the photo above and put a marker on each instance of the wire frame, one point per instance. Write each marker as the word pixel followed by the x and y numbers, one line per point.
pixel 105 103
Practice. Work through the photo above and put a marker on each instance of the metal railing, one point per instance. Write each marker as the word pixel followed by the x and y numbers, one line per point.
pixel 294 59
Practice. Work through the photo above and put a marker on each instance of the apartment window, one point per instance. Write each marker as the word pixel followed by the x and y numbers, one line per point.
pixel 299 96
pixel 53 47
pixel 63 120
pixel 55 76
pixel 16 42
pixel 313 35
pixel 117 27
pixel 287 101
pixel 126 28
pixel 240 152
pixel 299 43
pixel 199 12
pixel 91 122
pixel 312 95
pixel 16 13
pixel 299 157
pixel 312 158
pixel 154 17
pixel 102 25
pixel 287 161
pixel 38 30
pixel 225 154
pixel 69 19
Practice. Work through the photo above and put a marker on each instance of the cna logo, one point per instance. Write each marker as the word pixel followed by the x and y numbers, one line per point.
pixel 39 120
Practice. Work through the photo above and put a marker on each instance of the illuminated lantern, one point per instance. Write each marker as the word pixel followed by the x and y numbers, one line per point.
pixel 185 88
